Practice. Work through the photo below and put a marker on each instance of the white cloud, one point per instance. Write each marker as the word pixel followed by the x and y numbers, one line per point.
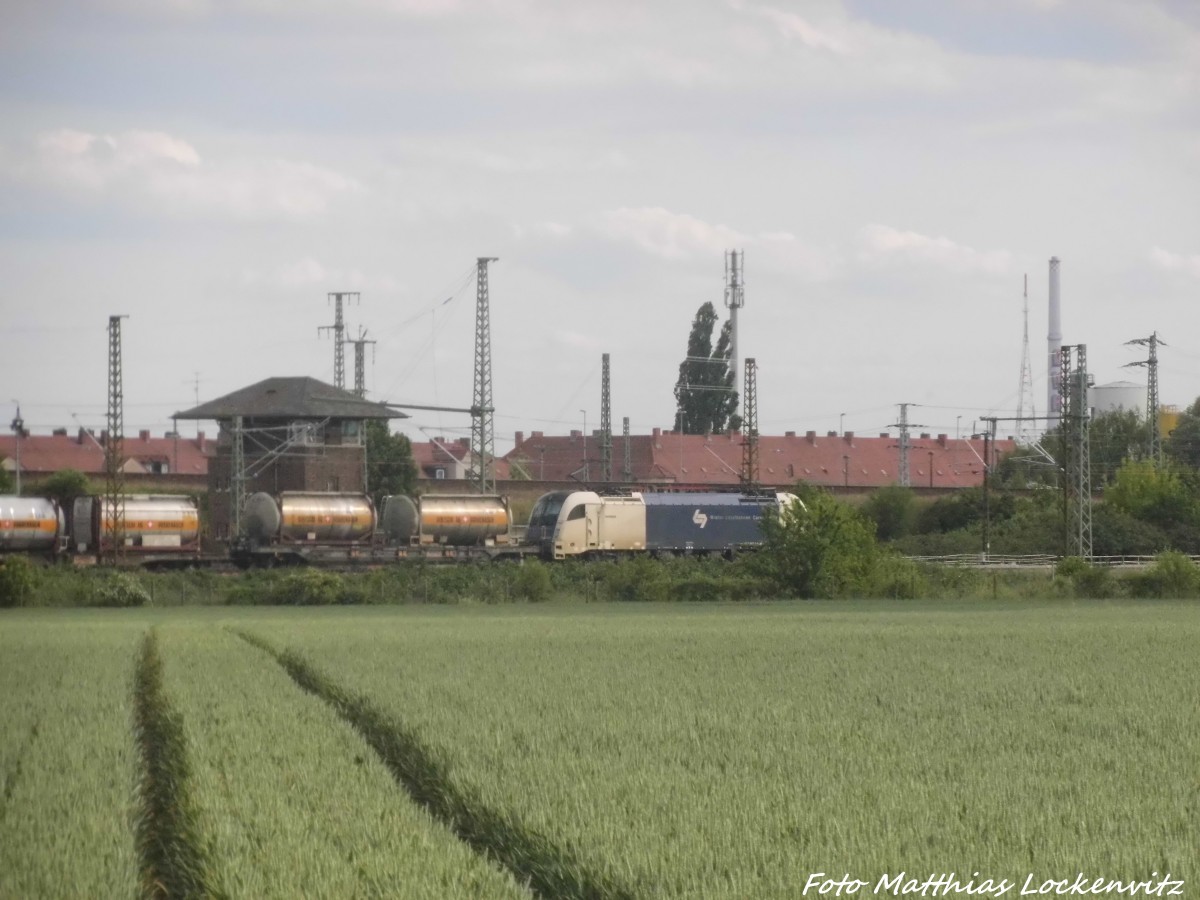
pixel 793 27
pixel 884 244
pixel 167 174
pixel 1176 262
pixel 667 234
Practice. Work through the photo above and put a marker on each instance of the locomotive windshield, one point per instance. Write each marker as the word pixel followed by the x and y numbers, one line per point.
pixel 545 511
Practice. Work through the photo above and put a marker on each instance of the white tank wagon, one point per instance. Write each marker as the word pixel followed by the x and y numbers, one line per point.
pixel 33 525
pixel 460 520
pixel 153 523
pixel 299 517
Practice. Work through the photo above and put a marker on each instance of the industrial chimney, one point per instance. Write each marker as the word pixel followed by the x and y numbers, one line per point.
pixel 1054 393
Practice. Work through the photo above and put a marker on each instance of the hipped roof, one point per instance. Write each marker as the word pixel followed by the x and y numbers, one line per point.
pixel 291 398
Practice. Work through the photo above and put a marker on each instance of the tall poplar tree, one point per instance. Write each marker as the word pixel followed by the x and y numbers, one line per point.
pixel 706 402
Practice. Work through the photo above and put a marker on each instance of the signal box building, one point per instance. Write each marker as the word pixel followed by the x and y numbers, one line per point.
pixel 298 434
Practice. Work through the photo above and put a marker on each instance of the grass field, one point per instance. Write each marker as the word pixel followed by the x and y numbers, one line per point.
pixel 604 750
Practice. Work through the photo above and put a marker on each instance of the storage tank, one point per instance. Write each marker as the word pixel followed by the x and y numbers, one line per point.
pixel 1108 398
pixel 300 516
pixel 29 524
pixel 456 519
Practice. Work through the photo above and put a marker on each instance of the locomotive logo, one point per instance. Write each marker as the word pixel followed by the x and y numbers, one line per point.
pixel 700 518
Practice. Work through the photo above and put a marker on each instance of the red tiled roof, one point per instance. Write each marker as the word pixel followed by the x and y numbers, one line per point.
pixel 43 454
pixel 717 459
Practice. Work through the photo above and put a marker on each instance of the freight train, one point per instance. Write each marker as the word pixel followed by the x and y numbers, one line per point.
pixel 157 528
pixel 320 528
pixel 343 529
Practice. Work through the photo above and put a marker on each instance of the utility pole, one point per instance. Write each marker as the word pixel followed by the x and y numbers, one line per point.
pixel 18 427
pixel 605 422
pixel 338 328
pixel 750 429
pixel 989 443
pixel 483 435
pixel 114 480
pixel 904 425
pixel 237 480
pixel 628 470
pixel 1155 443
pixel 735 299
pixel 1076 452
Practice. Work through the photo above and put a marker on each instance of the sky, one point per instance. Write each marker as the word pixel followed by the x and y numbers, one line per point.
pixel 213 169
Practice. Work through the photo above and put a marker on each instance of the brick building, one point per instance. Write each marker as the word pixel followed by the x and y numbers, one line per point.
pixel 298 434
pixel 154 464
pixel 694 461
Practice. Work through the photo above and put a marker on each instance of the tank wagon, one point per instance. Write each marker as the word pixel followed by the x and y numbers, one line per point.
pixel 158 529
pixel 572 524
pixel 343 529
pixel 155 525
pixel 454 519
pixel 305 527
pixel 31 525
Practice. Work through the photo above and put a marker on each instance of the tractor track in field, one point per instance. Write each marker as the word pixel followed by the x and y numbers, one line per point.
pixel 549 871
pixel 172 864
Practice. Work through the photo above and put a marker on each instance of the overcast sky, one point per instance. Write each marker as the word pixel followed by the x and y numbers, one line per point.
pixel 891 170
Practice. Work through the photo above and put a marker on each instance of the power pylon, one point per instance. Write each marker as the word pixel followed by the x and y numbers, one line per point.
pixel 483 436
pixel 1025 406
pixel 904 425
pixel 1155 443
pixel 114 480
pixel 750 428
pixel 360 368
pixel 1075 421
pixel 338 328
pixel 605 421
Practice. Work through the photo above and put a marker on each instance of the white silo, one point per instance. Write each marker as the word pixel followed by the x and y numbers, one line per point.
pixel 1118 395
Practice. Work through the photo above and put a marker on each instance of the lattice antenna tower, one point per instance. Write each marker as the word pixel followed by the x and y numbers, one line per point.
pixel 905 445
pixel 1076 451
pixel 605 421
pixel 114 475
pixel 338 328
pixel 360 368
pixel 735 299
pixel 1026 411
pixel 750 428
pixel 1154 446
pixel 483 436
pixel 627 472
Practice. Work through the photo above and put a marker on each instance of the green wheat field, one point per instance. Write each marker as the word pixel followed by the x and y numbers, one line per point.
pixel 710 751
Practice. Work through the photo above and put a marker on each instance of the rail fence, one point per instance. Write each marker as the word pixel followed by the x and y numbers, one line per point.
pixel 1033 561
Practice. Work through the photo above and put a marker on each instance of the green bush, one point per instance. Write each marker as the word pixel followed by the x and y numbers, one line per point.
pixel 1172 576
pixel 639 579
pixel 1084 580
pixel 532 582
pixel 120 589
pixel 16 581
pixel 303 587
